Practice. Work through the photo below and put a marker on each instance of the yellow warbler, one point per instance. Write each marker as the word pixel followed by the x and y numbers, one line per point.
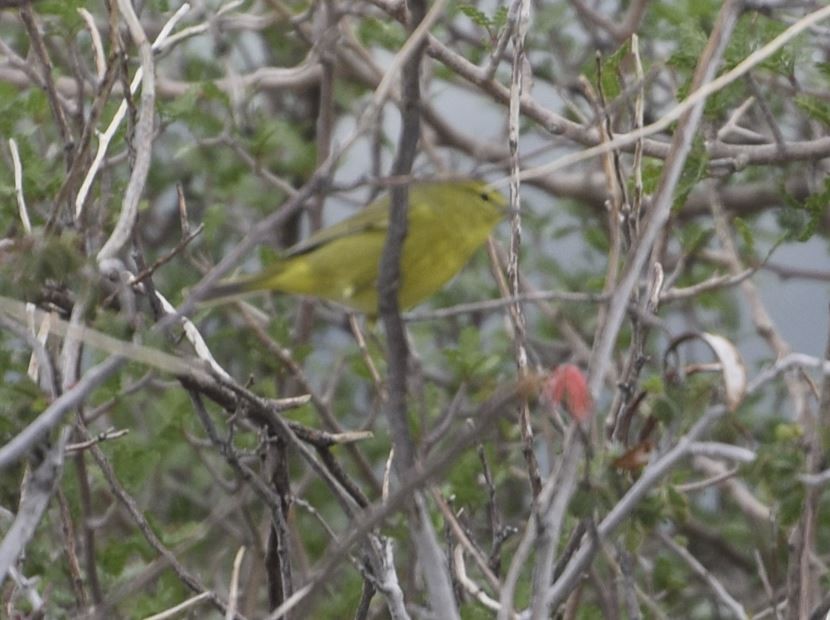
pixel 447 222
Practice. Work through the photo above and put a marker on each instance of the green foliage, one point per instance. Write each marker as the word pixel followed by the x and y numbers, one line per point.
pixel 752 34
pixel 468 358
pixel 584 503
pixel 491 23
pixel 471 610
pixel 65 10
pixel 800 219
pixel 665 410
pixel 650 510
pixel 40 180
pixel 694 170
pixel 118 552
pixel 683 25
pixel 134 461
pixel 633 536
pixel 611 69
pixel 386 34
pixel 22 401
pixel 596 238
pixel 15 107
pixel 500 17
pixel 688 24
pixel 194 108
pixel 700 15
pixel 21 397
pixel 590 612
pixel 780 460
pixel 652 170
pixel 162 6
pixel 463 486
pixel 816 108
pixel 653 384
pixel 348 586
pixel 165 592
pixel 285 144
pixel 219 143
pixel 678 504
pixel 35 260
pixel 667 575
pixel 746 235
pixel 725 311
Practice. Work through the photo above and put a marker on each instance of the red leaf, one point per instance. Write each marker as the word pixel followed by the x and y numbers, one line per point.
pixel 568 387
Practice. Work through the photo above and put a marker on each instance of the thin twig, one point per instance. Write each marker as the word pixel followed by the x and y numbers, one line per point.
pixel 517 315
pixel 143 141
pixel 176 610
pixel 490 305
pixel 107 435
pixel 97 44
pixel 233 591
pixel 698 96
pixel 701 571
pixel 159 262
pixel 105 138
pixel 39 46
pixel 18 188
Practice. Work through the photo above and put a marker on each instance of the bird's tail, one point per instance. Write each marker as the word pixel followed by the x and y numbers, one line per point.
pixel 233 289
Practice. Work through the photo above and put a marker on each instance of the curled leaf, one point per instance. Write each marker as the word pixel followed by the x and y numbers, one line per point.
pixel 731 366
pixel 729 363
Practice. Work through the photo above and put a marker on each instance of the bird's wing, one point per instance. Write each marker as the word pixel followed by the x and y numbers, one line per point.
pixel 374 217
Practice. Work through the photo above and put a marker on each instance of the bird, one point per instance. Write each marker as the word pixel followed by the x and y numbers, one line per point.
pixel 447 221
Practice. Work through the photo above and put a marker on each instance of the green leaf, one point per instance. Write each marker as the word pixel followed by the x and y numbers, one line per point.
pixel 653 384
pixel 39 259
pixel 283 142
pixel 652 170
pixel 611 86
pixel 491 23
pixel 694 171
pixel 665 410
pixel 462 484
pixel 475 15
pixel 596 238
pixel 500 17
pixel 800 220
pixel 133 461
pixel 469 358
pixel 650 509
pixel 824 68
pixel 678 504
pixel 666 576
pixel 114 556
pixel 386 34
pixel 816 108
pixel 746 234
pixel 66 10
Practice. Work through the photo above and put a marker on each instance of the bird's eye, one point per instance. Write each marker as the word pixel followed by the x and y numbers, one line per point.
pixel 485 196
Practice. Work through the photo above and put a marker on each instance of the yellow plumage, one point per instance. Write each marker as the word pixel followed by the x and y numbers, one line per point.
pixel 447 222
